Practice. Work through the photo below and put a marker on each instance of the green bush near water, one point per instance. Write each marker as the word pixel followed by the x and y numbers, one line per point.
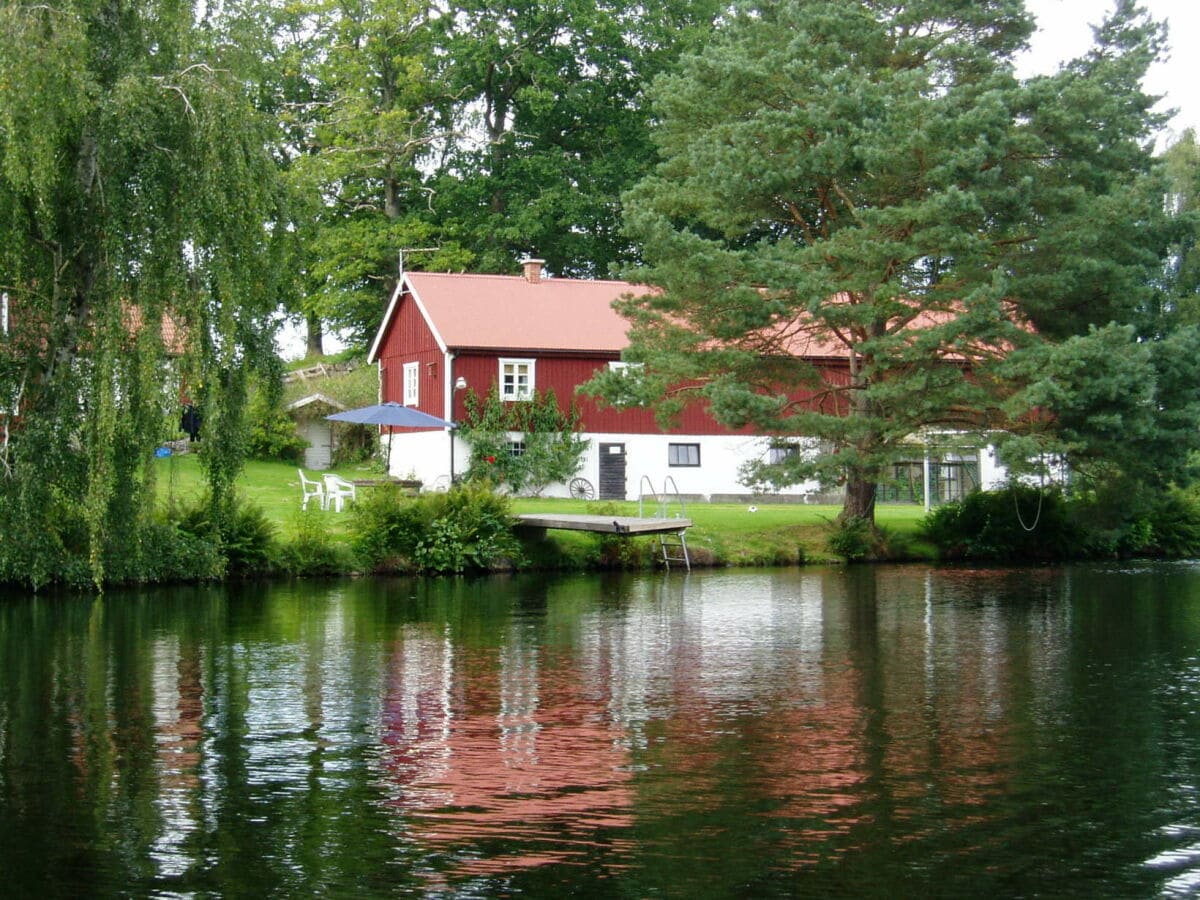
pixel 310 549
pixel 1017 523
pixel 465 529
pixel 154 550
pixel 1025 524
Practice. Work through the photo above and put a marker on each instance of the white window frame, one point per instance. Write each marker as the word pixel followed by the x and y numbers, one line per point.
pixel 412 382
pixel 512 388
pixel 4 312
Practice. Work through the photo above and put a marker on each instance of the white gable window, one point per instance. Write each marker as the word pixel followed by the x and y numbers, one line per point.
pixel 516 379
pixel 412 374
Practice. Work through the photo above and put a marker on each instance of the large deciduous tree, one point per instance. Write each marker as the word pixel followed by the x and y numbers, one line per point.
pixel 870 181
pixel 358 160
pixel 549 125
pixel 135 199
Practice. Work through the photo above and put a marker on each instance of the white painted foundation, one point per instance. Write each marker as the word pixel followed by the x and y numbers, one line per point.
pixel 426 456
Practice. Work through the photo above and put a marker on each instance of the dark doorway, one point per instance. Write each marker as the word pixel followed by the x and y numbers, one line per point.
pixel 612 471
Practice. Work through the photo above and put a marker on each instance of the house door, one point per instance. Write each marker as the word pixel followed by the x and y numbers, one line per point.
pixel 612 471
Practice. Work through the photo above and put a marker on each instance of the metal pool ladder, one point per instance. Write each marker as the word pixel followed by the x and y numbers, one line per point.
pixel 672 544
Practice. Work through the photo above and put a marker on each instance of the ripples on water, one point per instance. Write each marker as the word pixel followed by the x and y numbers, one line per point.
pixel 862 732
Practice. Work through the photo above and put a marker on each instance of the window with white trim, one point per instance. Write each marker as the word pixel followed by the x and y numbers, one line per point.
pixel 626 395
pixel 683 454
pixel 412 378
pixel 516 448
pixel 516 379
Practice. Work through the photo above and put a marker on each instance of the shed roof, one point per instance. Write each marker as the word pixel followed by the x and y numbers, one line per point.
pixel 315 405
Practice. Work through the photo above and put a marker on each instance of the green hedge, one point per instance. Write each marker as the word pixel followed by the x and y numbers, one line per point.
pixel 468 528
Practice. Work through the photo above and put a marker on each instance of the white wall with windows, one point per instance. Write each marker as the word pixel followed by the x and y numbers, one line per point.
pixel 426 456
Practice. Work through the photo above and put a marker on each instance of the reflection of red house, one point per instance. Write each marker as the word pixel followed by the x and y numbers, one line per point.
pixel 494 755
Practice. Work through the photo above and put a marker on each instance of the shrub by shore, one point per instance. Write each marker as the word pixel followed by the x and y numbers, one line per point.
pixel 470 530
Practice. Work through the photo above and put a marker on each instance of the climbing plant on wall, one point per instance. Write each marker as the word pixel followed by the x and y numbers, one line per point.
pixel 524 445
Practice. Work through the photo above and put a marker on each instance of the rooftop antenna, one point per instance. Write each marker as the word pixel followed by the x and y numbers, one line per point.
pixel 404 250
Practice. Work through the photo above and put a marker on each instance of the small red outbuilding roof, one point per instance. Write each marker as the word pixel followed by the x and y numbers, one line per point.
pixel 507 312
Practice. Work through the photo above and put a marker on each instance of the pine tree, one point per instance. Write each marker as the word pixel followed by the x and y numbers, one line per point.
pixel 871 180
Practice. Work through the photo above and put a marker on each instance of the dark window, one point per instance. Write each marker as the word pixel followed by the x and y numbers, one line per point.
pixel 516 448
pixel 783 452
pixel 683 454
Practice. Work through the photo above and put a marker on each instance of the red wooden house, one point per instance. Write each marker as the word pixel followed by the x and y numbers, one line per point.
pixel 444 333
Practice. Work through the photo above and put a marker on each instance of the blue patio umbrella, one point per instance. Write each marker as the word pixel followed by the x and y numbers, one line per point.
pixel 393 414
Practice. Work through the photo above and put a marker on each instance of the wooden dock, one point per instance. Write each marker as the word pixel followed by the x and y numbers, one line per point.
pixel 631 525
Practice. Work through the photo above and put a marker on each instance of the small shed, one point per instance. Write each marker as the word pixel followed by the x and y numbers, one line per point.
pixel 311 424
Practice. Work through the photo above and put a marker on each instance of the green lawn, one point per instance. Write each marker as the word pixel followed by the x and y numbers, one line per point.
pixel 730 532
pixel 273 486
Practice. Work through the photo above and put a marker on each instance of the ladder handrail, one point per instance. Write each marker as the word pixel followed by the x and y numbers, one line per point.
pixel 642 494
pixel 670 487
pixel 662 501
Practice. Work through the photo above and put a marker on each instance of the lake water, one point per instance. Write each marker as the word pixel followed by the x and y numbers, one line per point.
pixel 868 732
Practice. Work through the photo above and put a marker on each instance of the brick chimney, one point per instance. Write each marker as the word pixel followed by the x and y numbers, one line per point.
pixel 533 270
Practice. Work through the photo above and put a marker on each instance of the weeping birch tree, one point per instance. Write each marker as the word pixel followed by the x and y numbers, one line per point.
pixel 135 202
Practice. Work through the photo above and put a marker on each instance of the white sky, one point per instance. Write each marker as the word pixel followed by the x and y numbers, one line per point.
pixel 1064 32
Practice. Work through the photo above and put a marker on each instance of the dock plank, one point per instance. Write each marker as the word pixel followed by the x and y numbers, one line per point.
pixel 603 524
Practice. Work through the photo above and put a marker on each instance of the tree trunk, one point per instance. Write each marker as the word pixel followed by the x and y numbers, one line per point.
pixel 316 335
pixel 859 503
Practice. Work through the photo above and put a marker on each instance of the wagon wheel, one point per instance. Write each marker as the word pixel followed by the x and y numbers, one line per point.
pixel 581 489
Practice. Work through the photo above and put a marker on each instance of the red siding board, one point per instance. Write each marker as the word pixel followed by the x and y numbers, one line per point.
pixel 408 340
pixel 564 374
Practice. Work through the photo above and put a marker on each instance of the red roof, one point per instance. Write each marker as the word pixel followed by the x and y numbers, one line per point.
pixel 504 312
pixel 511 312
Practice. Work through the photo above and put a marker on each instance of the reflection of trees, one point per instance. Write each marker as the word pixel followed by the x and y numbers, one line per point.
pixel 825 729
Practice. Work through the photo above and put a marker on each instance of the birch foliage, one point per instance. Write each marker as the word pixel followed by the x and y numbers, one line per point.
pixel 135 197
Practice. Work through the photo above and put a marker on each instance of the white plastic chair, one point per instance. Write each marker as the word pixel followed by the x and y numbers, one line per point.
pixel 312 490
pixel 337 489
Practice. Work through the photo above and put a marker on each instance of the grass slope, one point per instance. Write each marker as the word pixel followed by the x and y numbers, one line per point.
pixel 726 533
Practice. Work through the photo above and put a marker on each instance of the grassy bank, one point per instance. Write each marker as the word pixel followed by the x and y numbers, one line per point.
pixel 723 533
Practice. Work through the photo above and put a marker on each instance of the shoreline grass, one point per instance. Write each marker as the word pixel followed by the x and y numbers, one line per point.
pixel 723 534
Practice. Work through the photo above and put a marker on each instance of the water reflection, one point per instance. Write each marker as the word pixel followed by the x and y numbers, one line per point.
pixel 824 732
